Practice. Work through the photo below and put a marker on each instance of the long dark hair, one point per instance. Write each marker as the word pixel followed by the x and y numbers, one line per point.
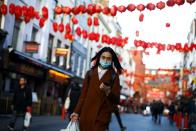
pixel 115 60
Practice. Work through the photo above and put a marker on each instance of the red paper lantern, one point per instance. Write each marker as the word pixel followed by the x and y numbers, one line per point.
pixel 55 26
pixel 61 27
pixel 24 10
pixel 11 9
pixel 45 12
pixel 131 7
pixel 82 9
pixel 41 22
pixel 37 15
pixel 27 19
pixel 186 48
pixel 74 20
pixel 67 10
pixel 190 1
pixel 18 12
pixel 3 9
pixel 167 24
pixel 141 17
pixel 31 11
pixel 78 31
pixel 179 2
pixel 113 10
pixel 150 6
pixel 122 8
pixel 96 21
pixel 170 3
pixel 68 28
pixel 98 9
pixel 140 7
pixel 160 5
pixel 178 46
pixel 89 21
pixel 106 10
pixel 75 10
pixel 84 34
pixel 91 9
pixel 58 10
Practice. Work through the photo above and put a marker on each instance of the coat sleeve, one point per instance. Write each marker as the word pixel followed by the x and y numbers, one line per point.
pixel 29 97
pixel 114 95
pixel 83 95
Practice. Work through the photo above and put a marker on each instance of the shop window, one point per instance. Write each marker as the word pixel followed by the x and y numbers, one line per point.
pixel 58 57
pixel 50 48
pixel 34 34
pixel 65 58
pixel 17 26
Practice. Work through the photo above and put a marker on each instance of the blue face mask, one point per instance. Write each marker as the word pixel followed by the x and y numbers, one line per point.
pixel 105 64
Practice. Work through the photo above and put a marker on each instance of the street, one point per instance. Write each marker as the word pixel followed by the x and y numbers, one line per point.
pixel 133 122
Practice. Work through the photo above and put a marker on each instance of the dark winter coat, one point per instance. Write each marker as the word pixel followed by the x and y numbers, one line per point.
pixel 22 98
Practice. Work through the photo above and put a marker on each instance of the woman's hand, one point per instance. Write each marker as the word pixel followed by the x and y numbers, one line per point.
pixel 105 88
pixel 74 117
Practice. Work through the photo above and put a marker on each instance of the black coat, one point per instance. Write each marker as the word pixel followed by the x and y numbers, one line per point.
pixel 22 98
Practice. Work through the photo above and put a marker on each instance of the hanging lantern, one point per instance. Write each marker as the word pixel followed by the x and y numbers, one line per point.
pixel 45 12
pixel 41 22
pixel 78 31
pixel 18 12
pixel 96 21
pixel 113 10
pixel 75 10
pixel 122 8
pixel 27 19
pixel 24 10
pixel 3 9
pixel 137 33
pixel 131 7
pixel 89 21
pixel 186 48
pixel 179 2
pixel 61 27
pixel 67 10
pixel 11 9
pixel 68 28
pixel 37 15
pixel 141 17
pixel 178 46
pixel 55 26
pixel 170 3
pixel 82 9
pixel 91 9
pixel 58 10
pixel 168 25
pixel 106 10
pixel 150 6
pixel 190 1
pixel 31 11
pixel 98 8
pixel 140 7
pixel 160 5
pixel 74 20
pixel 84 34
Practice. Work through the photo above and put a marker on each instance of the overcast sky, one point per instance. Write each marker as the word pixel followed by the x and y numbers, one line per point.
pixel 153 29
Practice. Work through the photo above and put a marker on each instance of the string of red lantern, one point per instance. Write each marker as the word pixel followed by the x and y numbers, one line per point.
pixel 95 8
pixel 162 47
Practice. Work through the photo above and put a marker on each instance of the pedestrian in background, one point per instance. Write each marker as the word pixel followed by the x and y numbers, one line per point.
pixel 99 95
pixel 22 102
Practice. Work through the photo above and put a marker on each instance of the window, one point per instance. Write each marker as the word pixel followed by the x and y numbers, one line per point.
pixel 58 57
pixel 54 14
pixel 65 58
pixel 50 47
pixel 16 31
pixel 34 34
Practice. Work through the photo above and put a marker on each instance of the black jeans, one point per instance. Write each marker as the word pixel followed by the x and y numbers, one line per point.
pixel 14 117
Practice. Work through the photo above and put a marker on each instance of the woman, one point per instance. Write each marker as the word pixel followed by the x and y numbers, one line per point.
pixel 99 94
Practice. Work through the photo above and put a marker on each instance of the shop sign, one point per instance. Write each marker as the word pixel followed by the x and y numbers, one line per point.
pixel 31 47
pixel 61 51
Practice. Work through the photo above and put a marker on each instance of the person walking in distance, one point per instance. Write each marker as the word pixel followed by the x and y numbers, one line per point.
pixel 22 102
pixel 99 96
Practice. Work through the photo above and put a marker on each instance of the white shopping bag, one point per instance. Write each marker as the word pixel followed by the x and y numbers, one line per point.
pixel 67 103
pixel 72 126
pixel 27 119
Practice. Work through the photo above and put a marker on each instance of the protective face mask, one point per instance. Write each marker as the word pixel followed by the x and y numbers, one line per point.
pixel 105 64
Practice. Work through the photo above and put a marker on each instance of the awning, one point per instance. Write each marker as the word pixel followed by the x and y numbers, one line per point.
pixel 38 63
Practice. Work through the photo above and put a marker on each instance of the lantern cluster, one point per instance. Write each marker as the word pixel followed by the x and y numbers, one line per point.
pixel 94 21
pixel 96 8
pixel 162 47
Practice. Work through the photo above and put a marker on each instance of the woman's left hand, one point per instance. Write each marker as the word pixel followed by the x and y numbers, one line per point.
pixel 105 88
